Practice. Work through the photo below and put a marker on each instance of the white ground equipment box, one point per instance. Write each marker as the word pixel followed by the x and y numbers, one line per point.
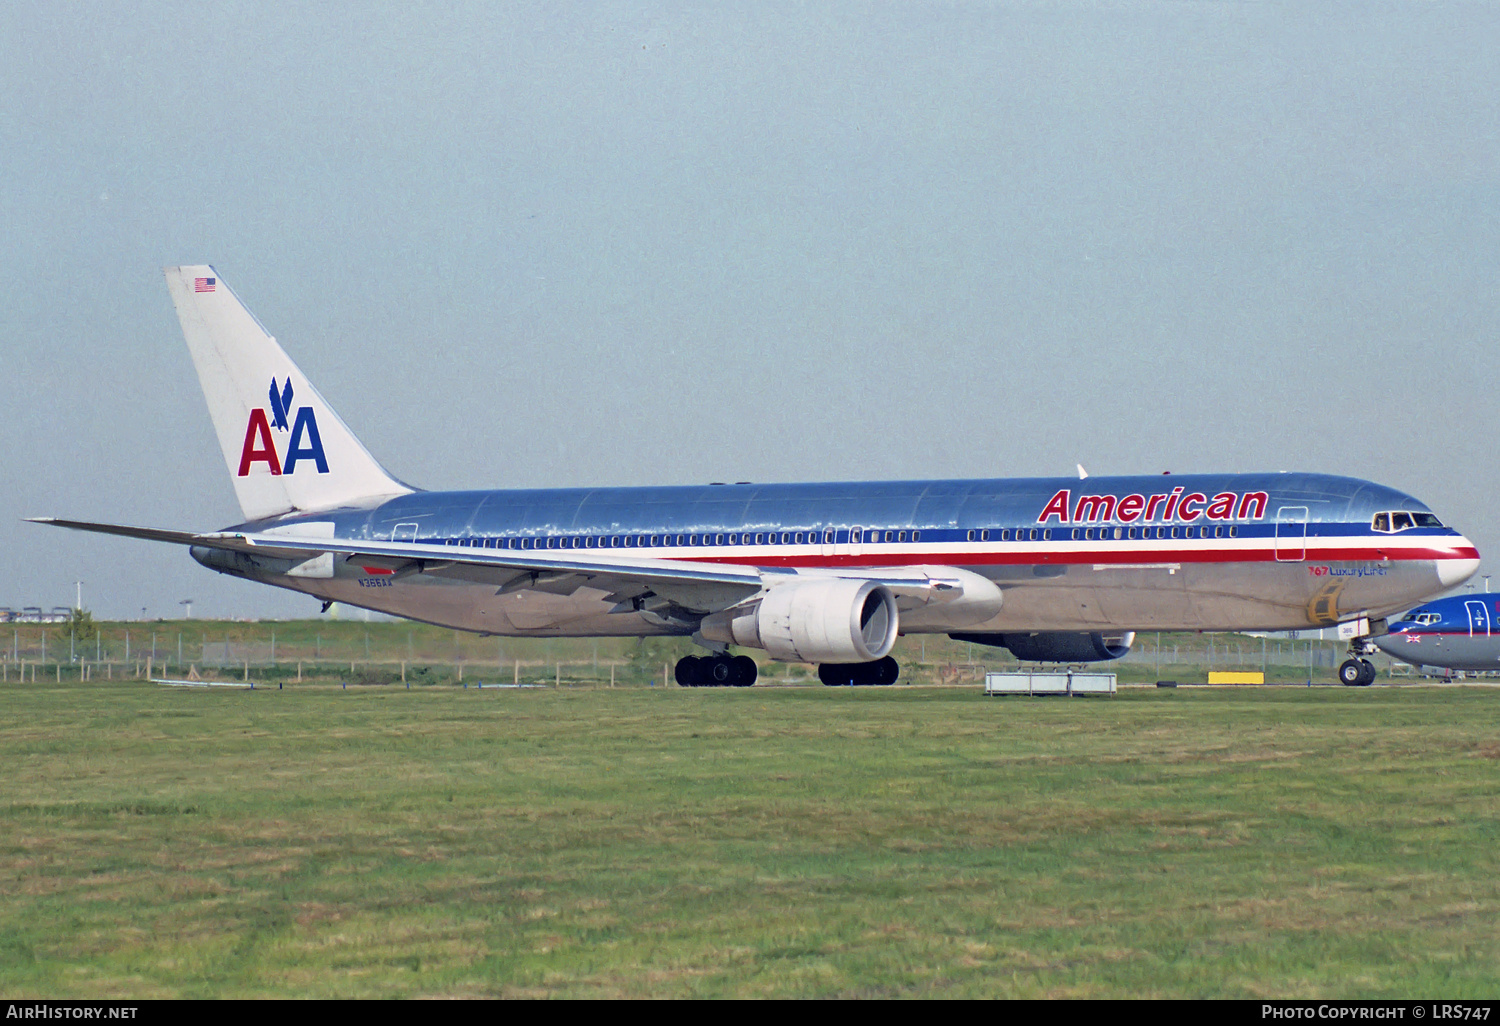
pixel 1049 682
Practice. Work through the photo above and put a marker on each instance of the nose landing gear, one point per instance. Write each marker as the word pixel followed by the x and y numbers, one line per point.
pixel 1357 671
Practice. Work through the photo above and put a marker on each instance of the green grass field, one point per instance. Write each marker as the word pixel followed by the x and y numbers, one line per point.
pixel 437 841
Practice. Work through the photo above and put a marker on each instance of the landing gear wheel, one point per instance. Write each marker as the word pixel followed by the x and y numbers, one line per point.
pixel 1367 674
pixel 842 675
pixel 838 675
pixel 687 671
pixel 717 671
pixel 1351 673
pixel 744 671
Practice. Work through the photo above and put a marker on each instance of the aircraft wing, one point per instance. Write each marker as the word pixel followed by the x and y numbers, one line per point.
pixel 626 575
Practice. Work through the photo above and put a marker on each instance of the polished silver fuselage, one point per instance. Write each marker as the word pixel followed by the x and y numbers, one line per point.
pixel 1294 551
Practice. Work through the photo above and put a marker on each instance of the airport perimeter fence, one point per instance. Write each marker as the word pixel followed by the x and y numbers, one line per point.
pixel 1240 654
pixel 415 654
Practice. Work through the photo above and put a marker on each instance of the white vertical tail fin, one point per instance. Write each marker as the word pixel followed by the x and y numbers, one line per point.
pixel 285 447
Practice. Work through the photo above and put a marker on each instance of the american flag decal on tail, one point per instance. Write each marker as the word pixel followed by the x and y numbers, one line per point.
pixel 204 284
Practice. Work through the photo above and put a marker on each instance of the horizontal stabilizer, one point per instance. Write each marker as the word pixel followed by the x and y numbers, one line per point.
pixel 231 541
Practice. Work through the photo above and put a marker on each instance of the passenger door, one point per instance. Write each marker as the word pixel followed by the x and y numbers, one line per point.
pixel 1479 619
pixel 1291 534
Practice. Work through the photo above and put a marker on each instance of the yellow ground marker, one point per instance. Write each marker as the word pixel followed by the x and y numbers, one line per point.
pixel 1235 677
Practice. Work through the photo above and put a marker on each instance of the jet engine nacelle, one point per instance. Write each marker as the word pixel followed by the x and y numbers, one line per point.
pixel 1057 646
pixel 827 621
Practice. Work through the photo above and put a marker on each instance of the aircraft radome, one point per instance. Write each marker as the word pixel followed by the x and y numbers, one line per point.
pixel 1060 570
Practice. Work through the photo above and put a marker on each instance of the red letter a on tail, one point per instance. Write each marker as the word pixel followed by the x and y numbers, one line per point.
pixel 258 430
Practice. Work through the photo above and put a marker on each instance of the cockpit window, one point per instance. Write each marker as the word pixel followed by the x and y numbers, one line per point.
pixel 1400 520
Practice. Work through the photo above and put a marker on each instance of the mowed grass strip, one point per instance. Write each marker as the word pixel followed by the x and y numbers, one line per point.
pixel 787 842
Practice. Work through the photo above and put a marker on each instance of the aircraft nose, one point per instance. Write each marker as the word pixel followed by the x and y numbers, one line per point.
pixel 1453 572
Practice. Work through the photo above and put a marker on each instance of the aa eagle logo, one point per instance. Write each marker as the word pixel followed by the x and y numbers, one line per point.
pixel 304 444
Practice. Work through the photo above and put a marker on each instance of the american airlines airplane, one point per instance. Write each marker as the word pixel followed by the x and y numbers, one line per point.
pixel 1058 570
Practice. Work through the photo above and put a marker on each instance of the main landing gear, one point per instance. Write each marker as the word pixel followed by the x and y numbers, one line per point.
pixel 716 671
pixel 881 671
pixel 1357 673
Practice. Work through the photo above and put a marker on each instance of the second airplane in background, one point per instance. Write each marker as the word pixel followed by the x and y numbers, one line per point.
pixel 1461 632
pixel 1052 569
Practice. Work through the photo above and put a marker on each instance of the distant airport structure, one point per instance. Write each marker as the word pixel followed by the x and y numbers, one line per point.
pixel 34 614
pixel 1055 570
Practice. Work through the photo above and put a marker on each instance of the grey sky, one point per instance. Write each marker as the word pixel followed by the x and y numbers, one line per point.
pixel 619 244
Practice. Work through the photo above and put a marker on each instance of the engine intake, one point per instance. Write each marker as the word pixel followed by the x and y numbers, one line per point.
pixel 828 621
pixel 1057 646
